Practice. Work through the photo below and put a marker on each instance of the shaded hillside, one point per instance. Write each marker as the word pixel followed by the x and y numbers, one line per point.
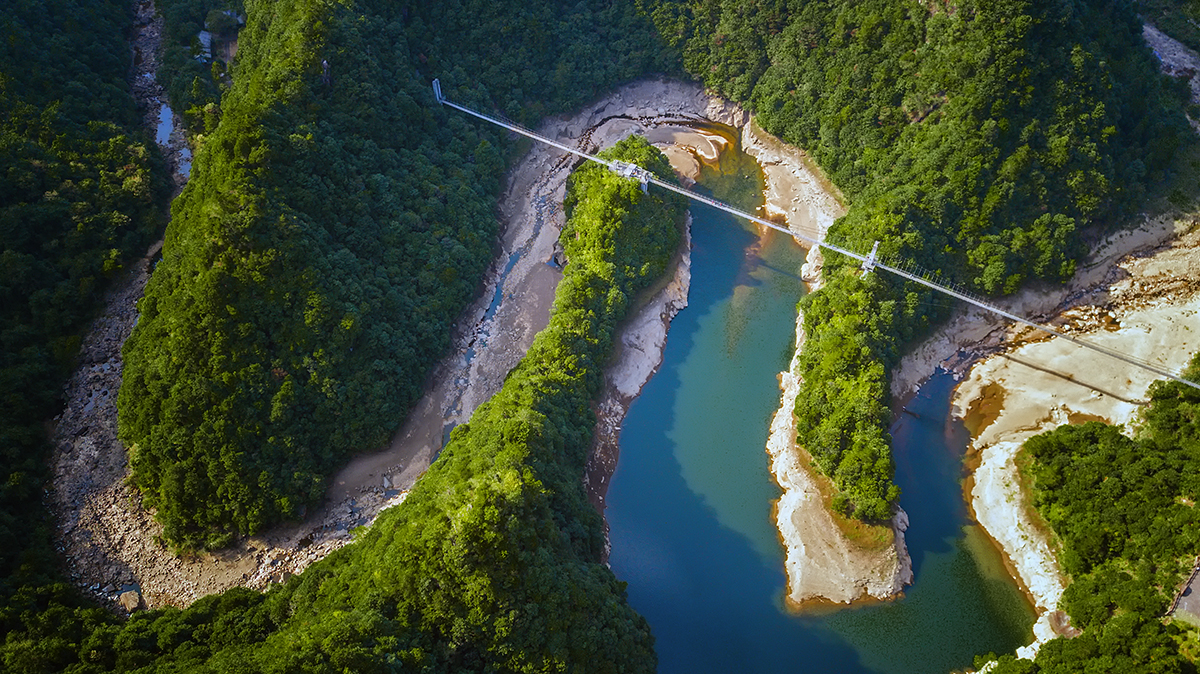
pixel 1178 18
pixel 81 195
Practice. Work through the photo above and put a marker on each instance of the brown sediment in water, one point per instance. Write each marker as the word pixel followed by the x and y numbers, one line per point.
pixel 828 557
pixel 984 409
pixel 1080 418
pixel 868 539
pixel 864 536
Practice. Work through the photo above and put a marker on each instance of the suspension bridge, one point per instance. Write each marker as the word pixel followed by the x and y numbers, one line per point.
pixel 870 261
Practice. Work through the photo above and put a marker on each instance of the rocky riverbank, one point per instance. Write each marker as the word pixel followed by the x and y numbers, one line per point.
pixel 822 563
pixel 1148 307
pixel 89 496
pixel 112 544
pixel 1138 293
pixel 151 98
pixel 638 355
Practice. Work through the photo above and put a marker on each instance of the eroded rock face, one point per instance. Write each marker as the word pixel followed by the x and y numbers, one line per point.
pixel 1175 59
pixel 1147 306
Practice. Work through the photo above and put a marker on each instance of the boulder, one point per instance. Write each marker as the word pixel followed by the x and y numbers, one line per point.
pixel 130 601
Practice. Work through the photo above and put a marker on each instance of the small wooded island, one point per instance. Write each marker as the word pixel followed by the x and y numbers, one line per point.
pixel 337 225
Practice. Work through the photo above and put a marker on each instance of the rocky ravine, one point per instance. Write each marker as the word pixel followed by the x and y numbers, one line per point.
pixel 88 463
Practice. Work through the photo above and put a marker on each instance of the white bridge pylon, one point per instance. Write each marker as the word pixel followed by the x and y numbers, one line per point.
pixel 870 262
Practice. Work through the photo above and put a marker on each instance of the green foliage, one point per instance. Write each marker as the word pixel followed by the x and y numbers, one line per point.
pixel 974 139
pixel 194 85
pixel 1124 512
pixel 333 230
pixel 1178 18
pixel 492 563
pixel 311 189
pixel 1106 496
pixel 81 195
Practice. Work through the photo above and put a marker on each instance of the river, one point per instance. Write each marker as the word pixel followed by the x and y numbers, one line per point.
pixel 689 506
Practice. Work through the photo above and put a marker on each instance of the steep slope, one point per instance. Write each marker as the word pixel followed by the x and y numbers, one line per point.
pixel 81 196
pixel 493 561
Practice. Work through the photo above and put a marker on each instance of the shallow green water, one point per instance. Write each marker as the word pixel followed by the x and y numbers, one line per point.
pixel 690 504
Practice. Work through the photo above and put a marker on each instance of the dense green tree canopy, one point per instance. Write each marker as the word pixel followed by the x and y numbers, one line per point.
pixel 492 563
pixel 974 140
pixel 194 82
pixel 335 226
pixel 81 195
pixel 333 230
pixel 1123 511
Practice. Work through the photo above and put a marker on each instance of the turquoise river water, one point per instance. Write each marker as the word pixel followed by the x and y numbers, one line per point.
pixel 690 504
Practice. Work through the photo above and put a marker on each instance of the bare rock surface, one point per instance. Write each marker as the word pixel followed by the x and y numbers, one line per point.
pixel 1137 293
pixel 1175 58
pixel 973 333
pixel 150 95
pixel 1149 309
pixel 821 562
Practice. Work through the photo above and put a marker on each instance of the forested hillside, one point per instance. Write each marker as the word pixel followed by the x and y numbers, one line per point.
pixel 1124 513
pixel 81 196
pixel 1178 18
pixel 335 226
pixel 195 84
pixel 977 140
pixel 493 561
pixel 337 222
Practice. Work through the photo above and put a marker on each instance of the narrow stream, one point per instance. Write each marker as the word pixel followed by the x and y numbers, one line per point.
pixel 162 136
pixel 690 504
